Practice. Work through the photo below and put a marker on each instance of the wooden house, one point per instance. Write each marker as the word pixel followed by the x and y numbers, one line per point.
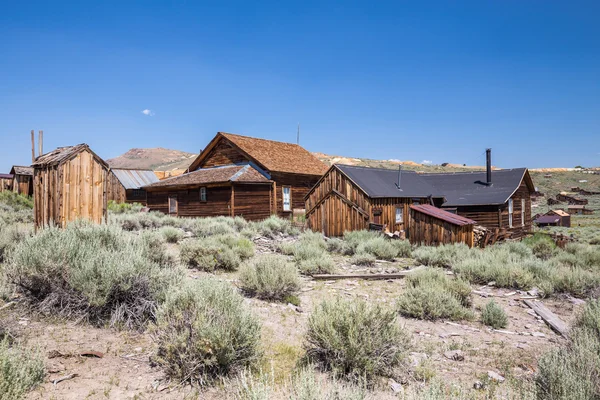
pixel 230 190
pixel 496 200
pixel 564 217
pixel 287 169
pixel 69 183
pixel 572 200
pixel 6 181
pixel 431 226
pixel 547 220
pixel 22 180
pixel 349 198
pixel 579 209
pixel 126 185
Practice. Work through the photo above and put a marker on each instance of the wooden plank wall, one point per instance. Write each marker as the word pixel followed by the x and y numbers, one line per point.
pixel 388 211
pixel 115 190
pixel 71 190
pixel 430 231
pixel 5 184
pixel 23 184
pixel 300 185
pixel 223 154
pixel 253 202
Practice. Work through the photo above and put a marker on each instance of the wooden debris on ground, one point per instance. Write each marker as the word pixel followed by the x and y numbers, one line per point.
pixel 64 378
pixel 551 319
pixel 397 275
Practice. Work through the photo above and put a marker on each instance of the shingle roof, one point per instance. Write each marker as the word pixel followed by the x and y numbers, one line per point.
pixel 382 182
pixel 469 188
pixel 548 219
pixel 62 154
pixel 134 178
pixel 443 215
pixel 273 156
pixel 21 170
pixel 227 173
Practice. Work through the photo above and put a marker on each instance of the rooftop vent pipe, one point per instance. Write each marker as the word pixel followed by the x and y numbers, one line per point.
pixel 488 165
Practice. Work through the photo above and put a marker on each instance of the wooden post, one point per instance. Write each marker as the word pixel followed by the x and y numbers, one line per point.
pixel 232 200
pixel 40 143
pixel 32 146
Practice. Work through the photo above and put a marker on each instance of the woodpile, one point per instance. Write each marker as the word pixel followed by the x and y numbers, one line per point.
pixel 479 234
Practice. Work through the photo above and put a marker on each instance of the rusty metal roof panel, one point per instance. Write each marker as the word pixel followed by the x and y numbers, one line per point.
pixel 135 178
pixel 443 215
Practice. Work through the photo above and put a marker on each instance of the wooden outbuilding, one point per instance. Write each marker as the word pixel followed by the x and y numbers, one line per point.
pixel 579 209
pixel 127 185
pixel 564 217
pixel 287 169
pixel 572 200
pixel 230 190
pixel 431 226
pixel 69 183
pixel 349 198
pixel 547 220
pixel 6 181
pixel 22 180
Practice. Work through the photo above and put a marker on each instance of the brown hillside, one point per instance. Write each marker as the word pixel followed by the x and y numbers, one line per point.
pixel 158 159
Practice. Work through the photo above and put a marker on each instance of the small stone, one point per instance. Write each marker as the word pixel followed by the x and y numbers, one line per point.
pixel 495 376
pixel 522 346
pixel 528 326
pixel 138 349
pixel 454 355
pixel 492 283
pixel 396 387
pixel 538 334
pixel 478 385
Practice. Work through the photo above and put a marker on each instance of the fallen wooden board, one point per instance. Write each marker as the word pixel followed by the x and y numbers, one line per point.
pixel 397 275
pixel 551 319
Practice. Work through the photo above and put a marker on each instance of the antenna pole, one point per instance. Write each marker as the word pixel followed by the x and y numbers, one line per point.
pixel 40 143
pixel 32 146
pixel 399 176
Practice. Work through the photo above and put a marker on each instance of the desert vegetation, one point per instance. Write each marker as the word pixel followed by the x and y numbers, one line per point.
pixel 208 301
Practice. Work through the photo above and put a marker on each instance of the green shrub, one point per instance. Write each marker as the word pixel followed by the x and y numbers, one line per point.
pixel 306 385
pixel 380 247
pixel 493 315
pixel 216 252
pixel 319 265
pixel 171 235
pixel 204 331
pixel 274 226
pixel 15 208
pixel 287 248
pixel 20 371
pixel 403 248
pixel 430 294
pixel 96 272
pixel 16 201
pixel 354 238
pixel 366 259
pixel 310 254
pixel 442 256
pixel 10 235
pixel 337 245
pixel 355 339
pixel 269 277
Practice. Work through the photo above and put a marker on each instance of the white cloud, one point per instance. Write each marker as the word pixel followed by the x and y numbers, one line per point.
pixel 427 162
pixel 147 112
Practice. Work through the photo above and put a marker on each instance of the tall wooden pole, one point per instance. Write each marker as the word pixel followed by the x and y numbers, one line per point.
pixel 40 143
pixel 32 146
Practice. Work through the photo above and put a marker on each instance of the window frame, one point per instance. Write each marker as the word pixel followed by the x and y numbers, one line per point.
pixel 173 197
pixel 201 194
pixel 511 210
pixel 522 212
pixel 283 189
pixel 401 209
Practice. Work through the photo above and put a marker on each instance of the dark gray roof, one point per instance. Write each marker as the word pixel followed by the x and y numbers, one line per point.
pixel 381 182
pixel 469 189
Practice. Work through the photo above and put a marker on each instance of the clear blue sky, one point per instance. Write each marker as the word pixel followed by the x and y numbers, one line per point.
pixel 436 81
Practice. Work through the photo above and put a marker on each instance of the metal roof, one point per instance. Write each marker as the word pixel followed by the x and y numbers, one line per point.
pixel 470 189
pixel 382 182
pixel 135 178
pixel 6 176
pixel 548 219
pixel 443 215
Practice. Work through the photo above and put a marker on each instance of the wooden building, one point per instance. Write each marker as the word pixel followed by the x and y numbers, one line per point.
pixel 69 183
pixel 6 181
pixel 579 209
pixel 499 199
pixel 349 198
pixel 431 226
pixel 290 169
pixel 564 217
pixel 126 185
pixel 22 180
pixel 547 220
pixel 230 190
pixel 572 200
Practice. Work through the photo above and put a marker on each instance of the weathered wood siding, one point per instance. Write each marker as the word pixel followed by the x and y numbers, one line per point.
pixel 71 190
pixel 430 231
pixel 300 185
pixel 387 208
pixel 223 154
pixel 115 190
pixel 23 184
pixel 253 202
pixel 5 184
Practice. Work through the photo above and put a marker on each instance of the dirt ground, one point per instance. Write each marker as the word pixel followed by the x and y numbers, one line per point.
pixel 125 372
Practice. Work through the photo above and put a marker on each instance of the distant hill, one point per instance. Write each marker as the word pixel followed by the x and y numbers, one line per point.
pixel 156 159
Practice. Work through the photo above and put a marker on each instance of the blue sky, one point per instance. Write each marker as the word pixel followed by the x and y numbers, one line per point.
pixel 437 81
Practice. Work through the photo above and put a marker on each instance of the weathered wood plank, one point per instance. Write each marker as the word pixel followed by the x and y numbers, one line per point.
pixel 397 275
pixel 551 319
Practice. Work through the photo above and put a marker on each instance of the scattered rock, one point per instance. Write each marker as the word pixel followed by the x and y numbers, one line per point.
pixel 528 326
pixel 478 385
pixel 396 387
pixel 492 283
pixel 533 292
pixel 495 376
pixel 538 334
pixel 454 355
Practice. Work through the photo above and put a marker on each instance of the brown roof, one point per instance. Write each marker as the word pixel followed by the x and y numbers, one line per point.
pixel 271 155
pixel 443 215
pixel 227 173
pixel 21 170
pixel 560 213
pixel 62 154
pixel 576 206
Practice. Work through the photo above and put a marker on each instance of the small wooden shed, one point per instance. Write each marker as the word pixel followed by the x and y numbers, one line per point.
pixel 579 209
pixel 431 226
pixel 69 183
pixel 565 217
pixel 22 180
pixel 5 182
pixel 126 185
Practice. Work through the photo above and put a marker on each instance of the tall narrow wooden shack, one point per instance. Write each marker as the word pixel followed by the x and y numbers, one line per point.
pixel 69 183
pixel 22 180
pixel 5 182
pixel 431 226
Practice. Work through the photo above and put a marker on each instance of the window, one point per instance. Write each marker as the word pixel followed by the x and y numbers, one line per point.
pixel 510 213
pixel 139 193
pixel 399 215
pixel 202 194
pixel 173 204
pixel 287 198
pixel 522 212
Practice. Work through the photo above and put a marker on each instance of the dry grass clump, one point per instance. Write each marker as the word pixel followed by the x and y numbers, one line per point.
pixel 441 256
pixel 355 339
pixel 430 294
pixel 493 315
pixel 123 208
pixel 275 226
pixel 366 259
pixel 375 244
pixel 216 252
pixel 95 272
pixel 573 371
pixel 310 254
pixel 21 370
pixel 12 234
pixel 171 234
pixel 269 277
pixel 204 331
pixel 15 208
